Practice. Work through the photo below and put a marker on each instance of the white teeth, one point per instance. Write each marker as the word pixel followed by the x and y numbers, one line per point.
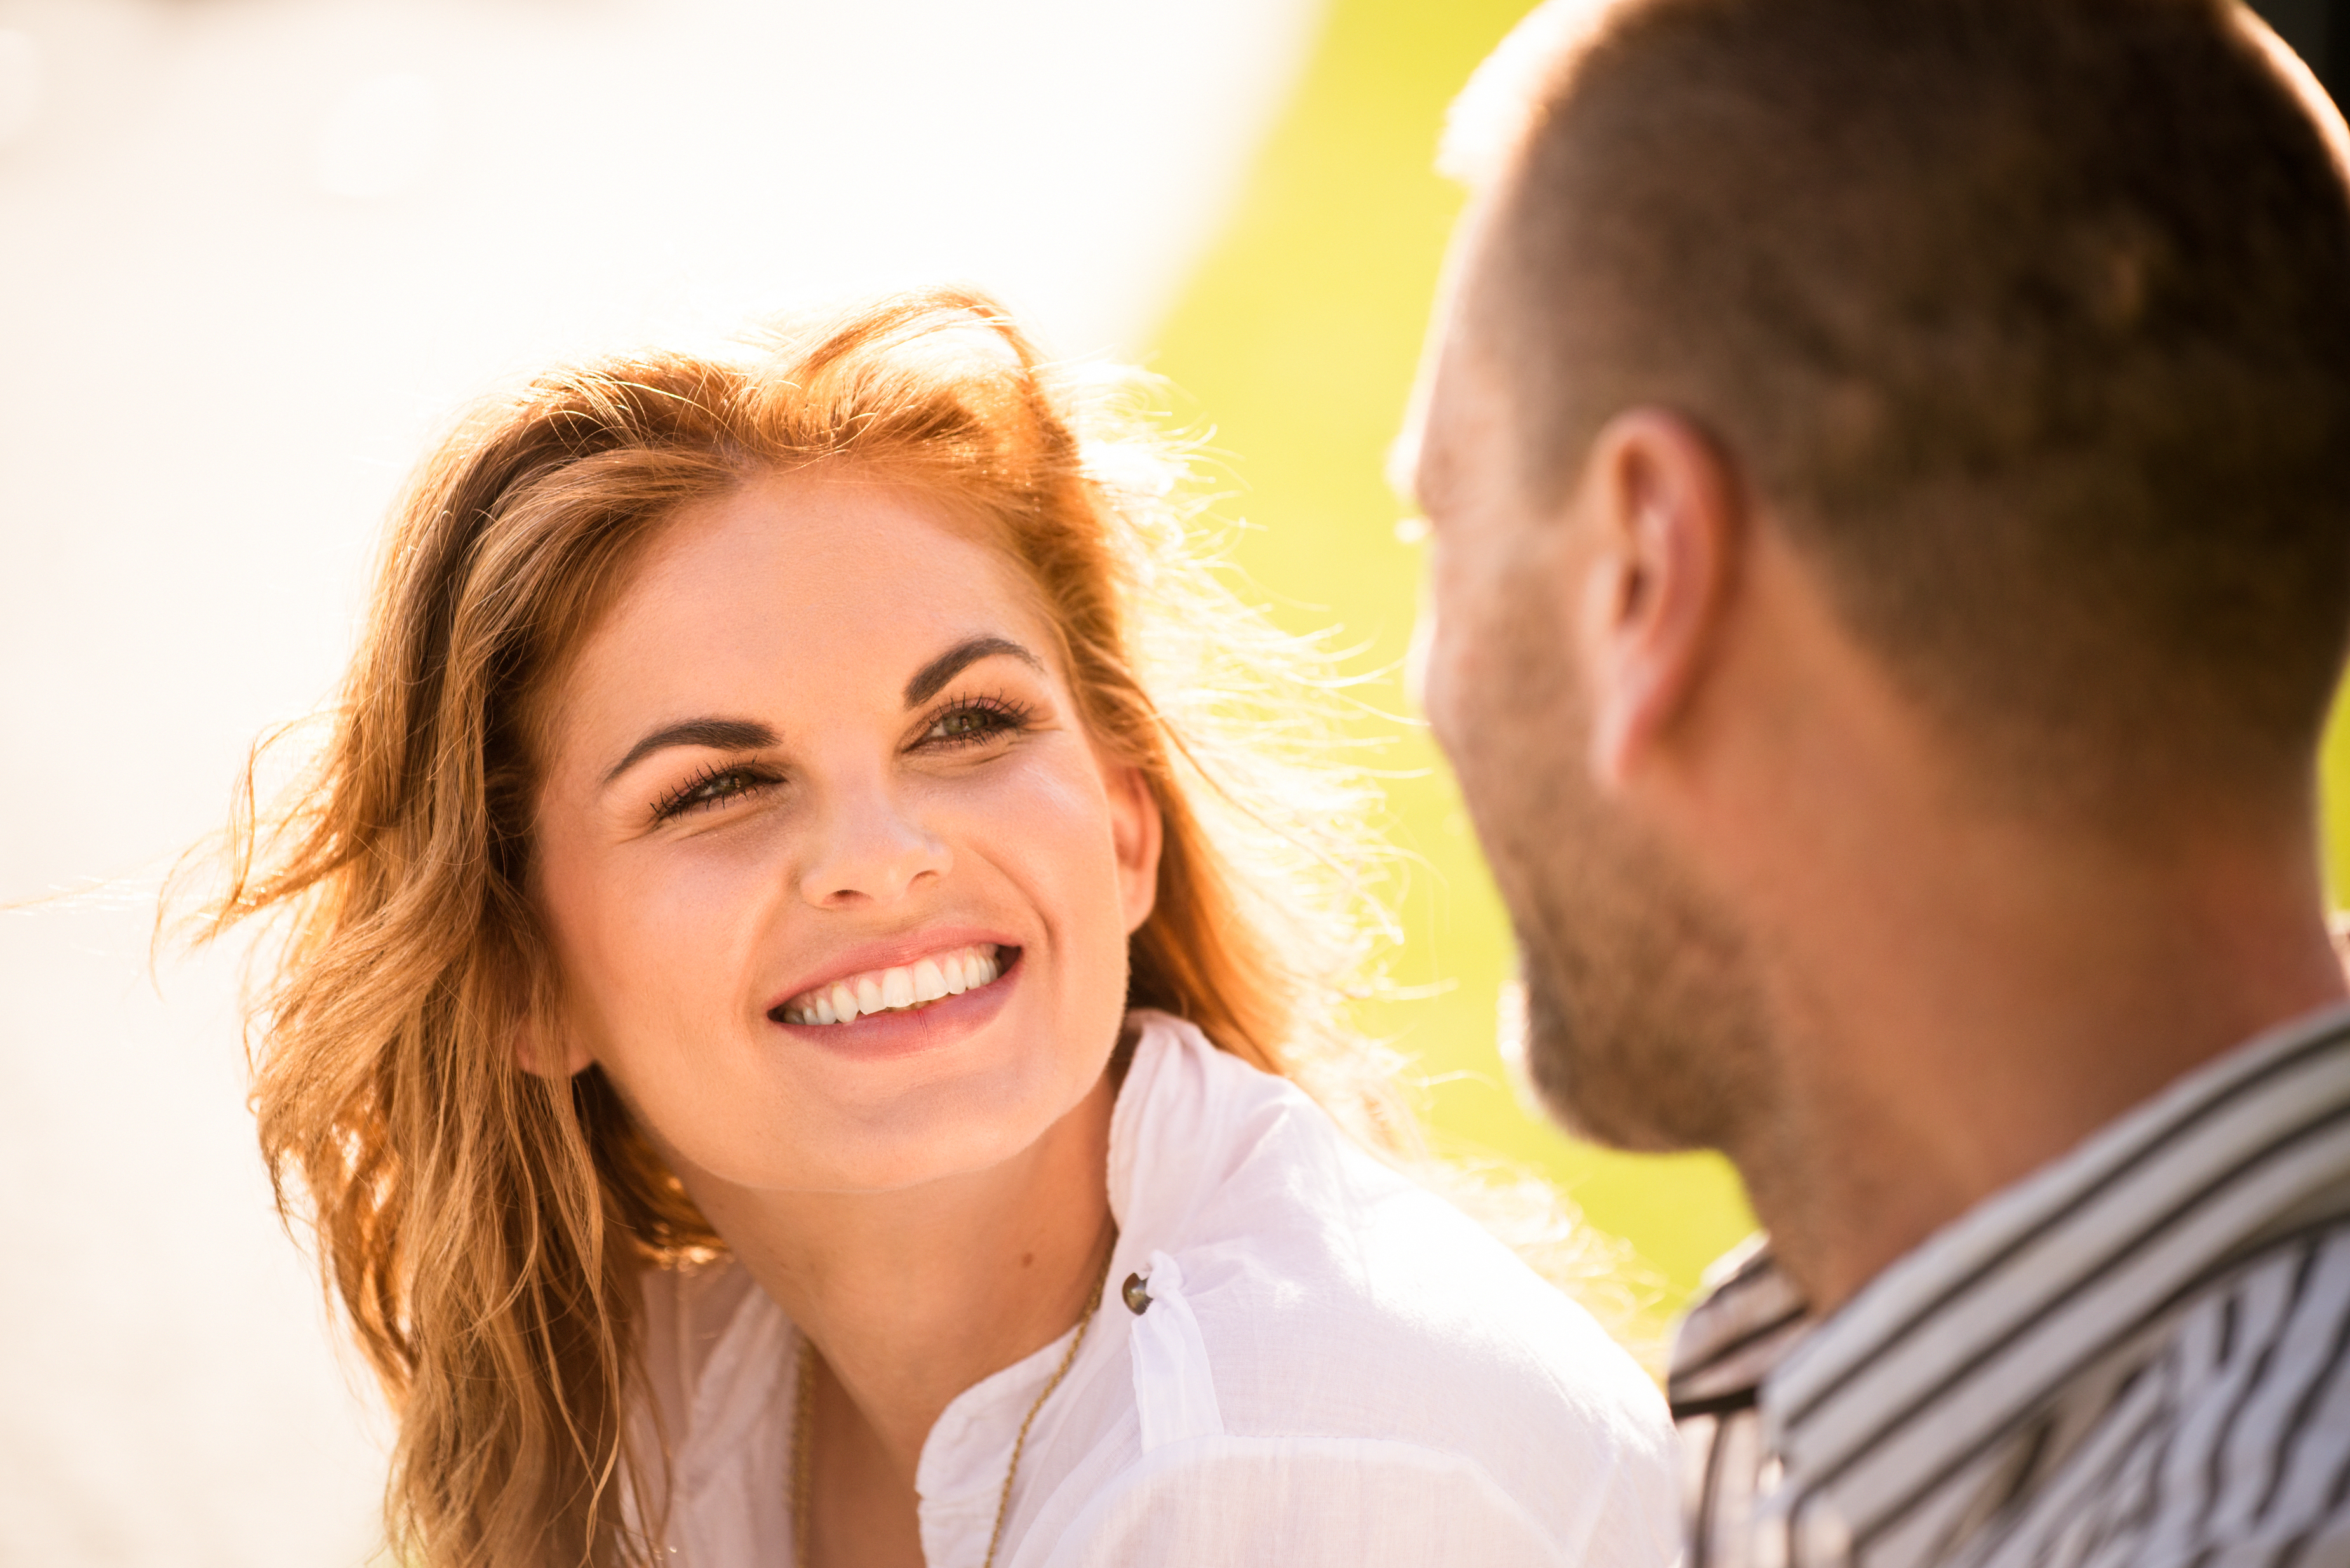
pixel 925 981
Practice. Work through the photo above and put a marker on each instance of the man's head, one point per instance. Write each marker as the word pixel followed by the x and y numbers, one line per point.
pixel 2018 334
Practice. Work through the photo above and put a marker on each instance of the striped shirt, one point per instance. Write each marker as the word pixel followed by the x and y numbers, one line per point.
pixel 2139 1355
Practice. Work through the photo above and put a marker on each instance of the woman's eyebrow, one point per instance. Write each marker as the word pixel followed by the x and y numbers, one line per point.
pixel 718 734
pixel 931 678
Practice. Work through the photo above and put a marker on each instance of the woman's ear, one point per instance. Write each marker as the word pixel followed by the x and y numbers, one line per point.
pixel 1136 831
pixel 536 1053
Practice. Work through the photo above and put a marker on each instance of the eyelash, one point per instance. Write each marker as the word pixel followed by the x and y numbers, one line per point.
pixel 1002 714
pixel 681 800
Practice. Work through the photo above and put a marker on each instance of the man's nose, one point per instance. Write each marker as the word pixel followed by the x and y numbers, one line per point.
pixel 870 850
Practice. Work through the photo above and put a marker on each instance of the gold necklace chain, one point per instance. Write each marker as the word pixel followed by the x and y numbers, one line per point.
pixel 803 1430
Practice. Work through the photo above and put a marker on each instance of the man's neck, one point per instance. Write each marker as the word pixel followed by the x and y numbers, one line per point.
pixel 912 1297
pixel 1966 970
pixel 1992 1000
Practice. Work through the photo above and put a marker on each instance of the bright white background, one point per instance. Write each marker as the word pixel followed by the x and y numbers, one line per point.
pixel 252 252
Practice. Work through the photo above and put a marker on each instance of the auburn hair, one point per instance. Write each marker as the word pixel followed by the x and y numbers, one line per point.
pixel 484 1227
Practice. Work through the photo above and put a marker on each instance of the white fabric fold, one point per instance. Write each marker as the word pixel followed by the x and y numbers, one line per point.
pixel 1174 1393
pixel 1390 1388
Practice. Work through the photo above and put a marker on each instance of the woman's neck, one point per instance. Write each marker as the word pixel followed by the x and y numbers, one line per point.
pixel 912 1296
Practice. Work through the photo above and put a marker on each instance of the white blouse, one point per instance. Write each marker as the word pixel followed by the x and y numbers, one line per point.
pixel 1335 1367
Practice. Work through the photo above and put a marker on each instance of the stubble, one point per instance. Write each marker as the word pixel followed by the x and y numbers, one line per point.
pixel 1644 1025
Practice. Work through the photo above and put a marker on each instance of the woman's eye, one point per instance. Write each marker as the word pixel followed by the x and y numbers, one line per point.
pixel 710 789
pixel 967 723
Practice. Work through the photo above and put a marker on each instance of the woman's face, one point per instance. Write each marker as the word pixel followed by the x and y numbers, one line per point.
pixel 819 762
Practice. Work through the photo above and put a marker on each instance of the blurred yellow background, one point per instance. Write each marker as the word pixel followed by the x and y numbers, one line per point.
pixel 1294 347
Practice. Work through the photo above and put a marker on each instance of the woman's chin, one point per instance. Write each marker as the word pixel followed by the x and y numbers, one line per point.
pixel 900 1099
pixel 954 1127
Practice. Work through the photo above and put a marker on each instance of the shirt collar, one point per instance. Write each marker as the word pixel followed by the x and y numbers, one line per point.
pixel 1979 1325
pixel 1168 1135
pixel 1749 1317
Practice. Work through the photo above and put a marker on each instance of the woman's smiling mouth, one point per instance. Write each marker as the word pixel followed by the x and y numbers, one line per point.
pixel 905 988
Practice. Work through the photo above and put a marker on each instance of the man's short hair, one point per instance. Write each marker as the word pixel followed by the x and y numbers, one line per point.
pixel 2029 319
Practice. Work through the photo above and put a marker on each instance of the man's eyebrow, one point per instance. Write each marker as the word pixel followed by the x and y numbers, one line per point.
pixel 931 678
pixel 718 734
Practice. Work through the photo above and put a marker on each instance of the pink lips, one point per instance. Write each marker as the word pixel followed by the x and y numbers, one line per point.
pixel 897 952
pixel 909 1031
pixel 929 979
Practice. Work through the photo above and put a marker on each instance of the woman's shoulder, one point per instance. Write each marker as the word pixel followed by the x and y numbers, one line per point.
pixel 714 1349
pixel 1366 1304
pixel 718 1360
pixel 1336 1299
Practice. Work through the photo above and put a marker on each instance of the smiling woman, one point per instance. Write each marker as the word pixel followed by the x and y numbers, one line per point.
pixel 809 883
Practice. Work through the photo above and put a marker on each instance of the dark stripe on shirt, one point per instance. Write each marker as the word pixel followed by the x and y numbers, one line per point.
pixel 2156 1145
pixel 1746 1341
pixel 2148 1234
pixel 2297 1424
pixel 1728 1404
pixel 1924 1488
pixel 2215 1459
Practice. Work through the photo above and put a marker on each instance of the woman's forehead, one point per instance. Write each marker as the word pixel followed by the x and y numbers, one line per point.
pixel 802 587
pixel 832 550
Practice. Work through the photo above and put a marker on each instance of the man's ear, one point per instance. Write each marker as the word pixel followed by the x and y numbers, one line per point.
pixel 1137 833
pixel 1662 515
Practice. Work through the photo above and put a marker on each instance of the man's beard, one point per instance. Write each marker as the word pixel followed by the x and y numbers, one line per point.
pixel 1644 1026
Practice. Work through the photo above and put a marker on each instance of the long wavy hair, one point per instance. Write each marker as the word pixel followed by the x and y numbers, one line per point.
pixel 484 1227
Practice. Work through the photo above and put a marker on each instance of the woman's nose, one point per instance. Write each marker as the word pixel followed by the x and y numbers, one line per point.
pixel 869 851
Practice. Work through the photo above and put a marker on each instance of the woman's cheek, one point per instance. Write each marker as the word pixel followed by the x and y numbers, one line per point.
pixel 1074 870
pixel 683 931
